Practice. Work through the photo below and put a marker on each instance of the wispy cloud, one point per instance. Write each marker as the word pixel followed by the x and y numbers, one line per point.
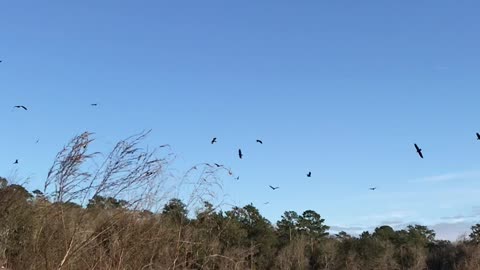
pixel 451 231
pixel 348 228
pixel 449 177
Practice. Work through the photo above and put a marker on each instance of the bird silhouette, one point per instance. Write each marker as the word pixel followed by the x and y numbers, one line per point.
pixel 240 154
pixel 419 151
pixel 309 174
pixel 94 104
pixel 478 136
pixel 218 165
pixel 259 141
pixel 21 107
pixel 214 140
pixel 16 161
pixel 266 202
pixel 274 188
pixel 238 178
pixel 373 188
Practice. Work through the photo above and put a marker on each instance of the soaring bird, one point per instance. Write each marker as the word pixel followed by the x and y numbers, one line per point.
pixel 214 140
pixel 240 155
pixel 478 136
pixel 266 203
pixel 94 104
pixel 16 161
pixel 238 178
pixel 373 188
pixel 259 141
pixel 218 165
pixel 309 174
pixel 20 107
pixel 419 151
pixel 273 188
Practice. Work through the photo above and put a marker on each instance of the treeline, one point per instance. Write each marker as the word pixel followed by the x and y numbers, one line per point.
pixel 114 213
pixel 38 234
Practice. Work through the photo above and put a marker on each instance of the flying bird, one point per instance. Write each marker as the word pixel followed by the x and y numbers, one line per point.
pixel 16 161
pixel 309 174
pixel 238 178
pixel 274 188
pixel 266 203
pixel 20 107
pixel 478 136
pixel 218 165
pixel 259 141
pixel 94 104
pixel 419 151
pixel 373 188
pixel 240 155
pixel 214 140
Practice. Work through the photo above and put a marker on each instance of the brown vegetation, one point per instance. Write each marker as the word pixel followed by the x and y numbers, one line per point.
pixel 101 217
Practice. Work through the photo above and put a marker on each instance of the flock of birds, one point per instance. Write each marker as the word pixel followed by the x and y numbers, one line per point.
pixel 240 153
pixel 309 174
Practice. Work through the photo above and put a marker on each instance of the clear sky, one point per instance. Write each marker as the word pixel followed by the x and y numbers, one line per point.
pixel 339 88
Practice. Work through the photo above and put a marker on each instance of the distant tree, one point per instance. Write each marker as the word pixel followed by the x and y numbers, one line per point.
pixel 37 193
pixel 106 203
pixel 475 234
pixel 17 190
pixel 260 235
pixel 310 223
pixel 442 255
pixel 343 235
pixel 176 211
pixel 287 226
pixel 310 226
pixel 3 182
pixel 385 233
pixel 420 235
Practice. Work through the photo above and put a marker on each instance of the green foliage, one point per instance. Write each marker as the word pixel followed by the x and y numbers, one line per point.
pixel 175 210
pixel 39 234
pixel 311 224
pixel 101 202
pixel 475 234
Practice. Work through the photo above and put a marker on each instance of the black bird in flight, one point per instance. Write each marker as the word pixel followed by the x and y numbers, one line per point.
pixel 94 104
pixel 259 141
pixel 214 140
pixel 238 178
pixel 20 107
pixel 273 188
pixel 240 155
pixel 478 136
pixel 16 161
pixel 419 151
pixel 218 165
pixel 373 188
pixel 309 174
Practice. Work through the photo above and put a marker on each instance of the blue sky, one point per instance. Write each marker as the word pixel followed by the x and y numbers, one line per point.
pixel 339 88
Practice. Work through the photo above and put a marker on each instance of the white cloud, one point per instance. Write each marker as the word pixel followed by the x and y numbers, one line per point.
pixel 452 231
pixel 449 177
